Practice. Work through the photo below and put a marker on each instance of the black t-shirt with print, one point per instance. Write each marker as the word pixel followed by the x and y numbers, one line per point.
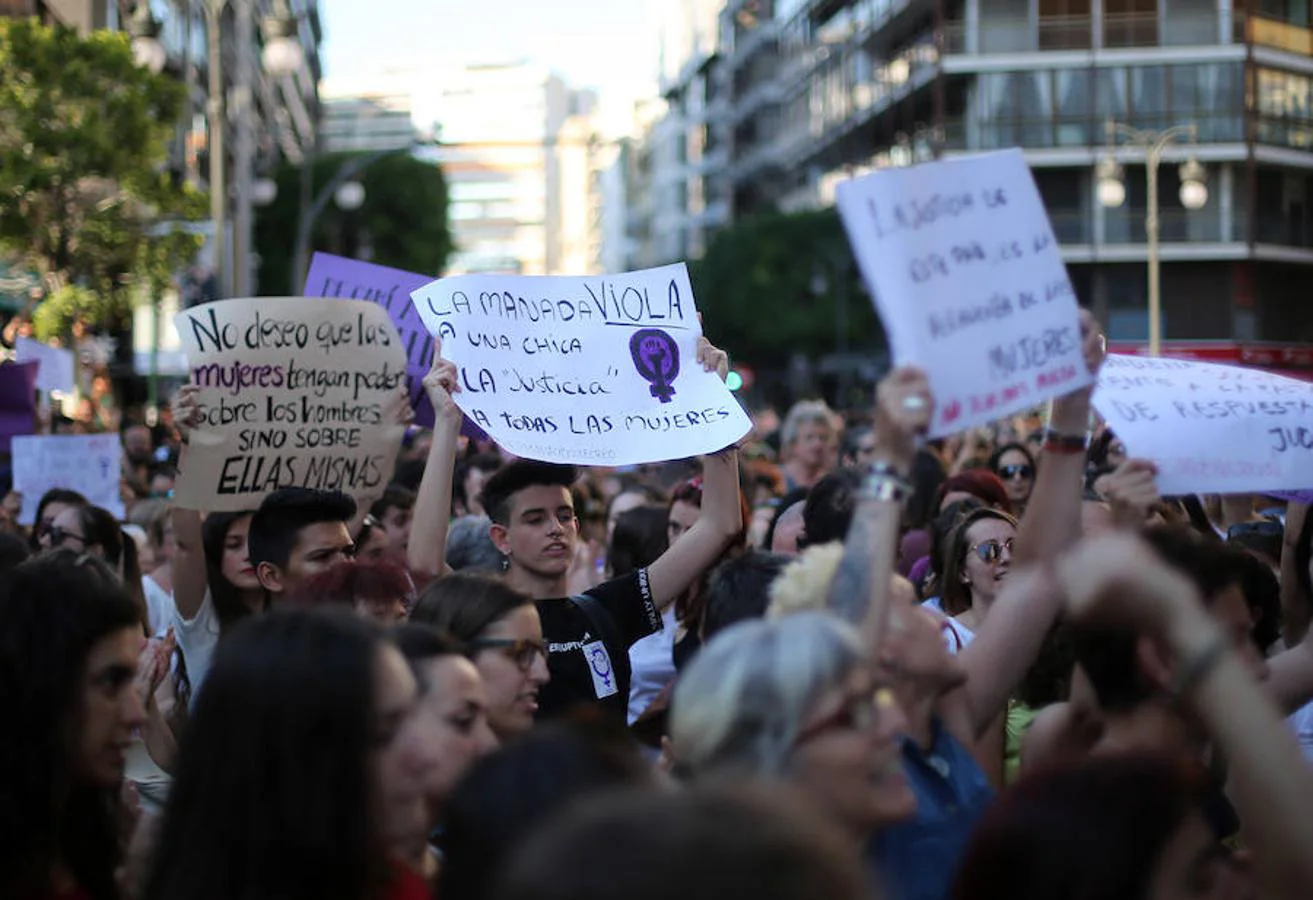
pixel 580 660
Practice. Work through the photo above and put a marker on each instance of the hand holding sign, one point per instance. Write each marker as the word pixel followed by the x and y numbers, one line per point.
pixel 440 384
pixel 582 370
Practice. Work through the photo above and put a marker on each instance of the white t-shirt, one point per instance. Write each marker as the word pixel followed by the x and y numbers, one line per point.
pixel 652 663
pixel 1302 724
pixel 197 639
pixel 956 635
pixel 160 608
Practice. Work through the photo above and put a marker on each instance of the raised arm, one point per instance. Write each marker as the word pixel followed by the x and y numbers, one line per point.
pixel 190 579
pixel 1009 640
pixel 1052 520
pixel 860 591
pixel 427 550
pixel 1118 581
pixel 721 519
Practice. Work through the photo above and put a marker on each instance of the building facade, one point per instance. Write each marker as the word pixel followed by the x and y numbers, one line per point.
pixel 367 121
pixel 805 93
pixel 519 151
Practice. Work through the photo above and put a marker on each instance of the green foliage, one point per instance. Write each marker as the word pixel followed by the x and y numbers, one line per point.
pixel 771 286
pixel 84 137
pixel 404 216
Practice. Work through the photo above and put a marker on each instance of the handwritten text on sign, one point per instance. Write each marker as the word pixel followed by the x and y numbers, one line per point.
pixel 968 280
pixel 1210 428
pixel 295 392
pixel 86 463
pixel 591 371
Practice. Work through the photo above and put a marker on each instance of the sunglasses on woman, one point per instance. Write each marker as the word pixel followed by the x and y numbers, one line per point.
pixel 522 651
pixel 859 713
pixel 60 536
pixel 1020 470
pixel 991 551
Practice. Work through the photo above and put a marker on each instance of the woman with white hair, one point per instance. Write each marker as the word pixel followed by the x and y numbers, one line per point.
pixel 795 701
pixel 809 443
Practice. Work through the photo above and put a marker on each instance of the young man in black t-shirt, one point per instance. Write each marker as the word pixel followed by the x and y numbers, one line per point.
pixel 535 528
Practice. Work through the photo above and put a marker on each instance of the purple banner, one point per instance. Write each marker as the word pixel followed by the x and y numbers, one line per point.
pixel 335 276
pixel 17 401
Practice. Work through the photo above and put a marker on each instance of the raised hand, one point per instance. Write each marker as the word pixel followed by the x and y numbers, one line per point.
pixel 904 409
pixel 712 358
pixel 441 384
pixel 186 410
pixel 1132 490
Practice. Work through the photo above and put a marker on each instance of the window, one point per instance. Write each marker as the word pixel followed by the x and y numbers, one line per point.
pixel 1073 93
pixel 1149 97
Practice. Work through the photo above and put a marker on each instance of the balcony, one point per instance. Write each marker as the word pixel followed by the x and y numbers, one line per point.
pixel 998 36
pixel 1058 132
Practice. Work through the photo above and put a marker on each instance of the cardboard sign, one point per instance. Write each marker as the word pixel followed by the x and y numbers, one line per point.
pixel 336 276
pixel 56 366
pixel 293 392
pixel 1211 429
pixel 969 282
pixel 86 463
pixel 590 371
pixel 17 401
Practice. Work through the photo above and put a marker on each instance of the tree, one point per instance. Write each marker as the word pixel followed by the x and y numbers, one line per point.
pixel 403 219
pixel 84 137
pixel 784 284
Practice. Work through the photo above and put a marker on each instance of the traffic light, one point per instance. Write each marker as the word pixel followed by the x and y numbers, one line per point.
pixel 734 380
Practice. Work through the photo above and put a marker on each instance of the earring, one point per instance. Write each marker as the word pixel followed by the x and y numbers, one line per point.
pixel 505 562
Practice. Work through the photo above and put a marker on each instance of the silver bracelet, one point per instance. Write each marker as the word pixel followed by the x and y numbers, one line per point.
pixel 885 488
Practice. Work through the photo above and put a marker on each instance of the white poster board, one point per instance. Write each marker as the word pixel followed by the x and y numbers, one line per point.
pixel 590 371
pixel 968 280
pixel 1211 429
pixel 86 463
pixel 56 372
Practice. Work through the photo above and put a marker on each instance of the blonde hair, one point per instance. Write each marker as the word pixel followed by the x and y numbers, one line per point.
pixel 804 585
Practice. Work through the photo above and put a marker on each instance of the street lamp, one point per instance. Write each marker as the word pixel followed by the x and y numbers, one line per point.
pixel 343 190
pixel 264 191
pixel 144 29
pixel 1111 192
pixel 350 196
pixel 282 54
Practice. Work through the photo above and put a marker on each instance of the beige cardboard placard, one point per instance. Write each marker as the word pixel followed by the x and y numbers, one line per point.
pixel 294 392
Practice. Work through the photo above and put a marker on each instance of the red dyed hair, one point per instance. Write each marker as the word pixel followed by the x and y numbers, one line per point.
pixel 352 580
pixel 980 483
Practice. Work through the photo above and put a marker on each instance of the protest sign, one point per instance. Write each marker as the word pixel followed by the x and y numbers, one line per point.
pixel 293 392
pixel 591 371
pixel 1211 429
pixel 967 277
pixel 17 401
pixel 86 463
pixel 55 372
pixel 336 276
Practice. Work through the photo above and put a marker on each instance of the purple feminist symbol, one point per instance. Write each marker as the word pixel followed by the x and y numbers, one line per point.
pixel 656 357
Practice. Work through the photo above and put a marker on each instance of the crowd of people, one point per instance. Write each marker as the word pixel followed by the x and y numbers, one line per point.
pixel 835 660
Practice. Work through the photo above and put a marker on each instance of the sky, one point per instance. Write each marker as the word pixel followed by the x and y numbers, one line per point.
pixel 608 44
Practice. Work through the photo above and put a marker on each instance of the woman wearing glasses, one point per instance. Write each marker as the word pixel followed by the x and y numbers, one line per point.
pixel 502 635
pixel 1015 466
pixel 976 562
pixel 796 700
